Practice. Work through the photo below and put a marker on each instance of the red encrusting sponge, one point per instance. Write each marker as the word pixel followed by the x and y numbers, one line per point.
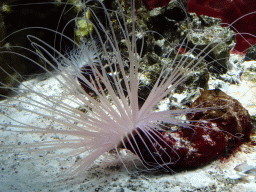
pixel 227 10
pixel 215 132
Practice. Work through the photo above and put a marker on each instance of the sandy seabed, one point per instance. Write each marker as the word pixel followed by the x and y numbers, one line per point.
pixel 41 171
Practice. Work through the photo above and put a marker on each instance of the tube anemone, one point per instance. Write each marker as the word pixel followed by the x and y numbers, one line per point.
pixel 99 106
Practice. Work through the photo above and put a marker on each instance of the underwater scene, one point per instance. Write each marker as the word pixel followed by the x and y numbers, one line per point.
pixel 128 95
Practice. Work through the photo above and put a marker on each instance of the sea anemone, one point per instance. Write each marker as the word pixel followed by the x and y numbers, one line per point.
pixel 95 104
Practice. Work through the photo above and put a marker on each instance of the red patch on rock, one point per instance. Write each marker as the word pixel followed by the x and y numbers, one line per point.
pixel 215 132
pixel 229 11
pixel 151 4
